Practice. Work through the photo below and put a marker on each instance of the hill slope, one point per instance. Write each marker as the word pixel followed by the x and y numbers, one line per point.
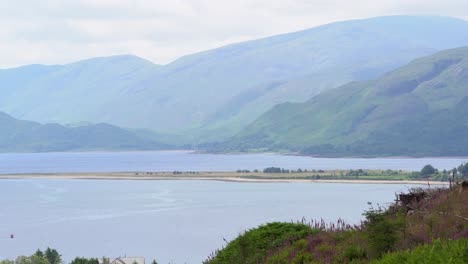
pixel 217 92
pixel 18 135
pixel 418 109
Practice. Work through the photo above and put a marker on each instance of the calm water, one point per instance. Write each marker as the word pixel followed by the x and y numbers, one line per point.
pixel 185 161
pixel 171 221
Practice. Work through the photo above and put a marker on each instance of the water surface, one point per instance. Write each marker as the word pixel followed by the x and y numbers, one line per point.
pixel 171 221
pixel 186 161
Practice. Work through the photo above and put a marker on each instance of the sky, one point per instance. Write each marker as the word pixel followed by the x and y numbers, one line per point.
pixel 63 31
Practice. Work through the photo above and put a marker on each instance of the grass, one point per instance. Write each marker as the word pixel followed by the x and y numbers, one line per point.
pixel 439 251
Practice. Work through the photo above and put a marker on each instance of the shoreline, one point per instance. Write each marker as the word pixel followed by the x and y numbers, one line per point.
pixel 195 151
pixel 327 156
pixel 205 176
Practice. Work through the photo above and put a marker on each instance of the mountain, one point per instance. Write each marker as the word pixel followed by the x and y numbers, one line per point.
pixel 214 94
pixel 19 135
pixel 418 109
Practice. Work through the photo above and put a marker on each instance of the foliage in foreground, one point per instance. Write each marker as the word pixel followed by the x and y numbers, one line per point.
pixel 432 218
pixel 252 246
pixel 450 251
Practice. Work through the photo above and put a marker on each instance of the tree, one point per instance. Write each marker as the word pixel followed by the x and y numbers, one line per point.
pixel 79 260
pixel 34 259
pixel 39 253
pixel 428 170
pixel 463 169
pixel 53 256
pixel 105 260
pixel 273 170
pixel 154 262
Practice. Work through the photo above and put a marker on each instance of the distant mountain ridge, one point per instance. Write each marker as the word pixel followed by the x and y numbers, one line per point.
pixel 418 109
pixel 25 136
pixel 214 94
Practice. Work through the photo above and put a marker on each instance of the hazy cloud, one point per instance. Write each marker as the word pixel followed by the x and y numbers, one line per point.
pixel 61 31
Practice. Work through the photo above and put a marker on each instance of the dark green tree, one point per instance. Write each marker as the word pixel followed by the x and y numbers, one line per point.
pixel 463 169
pixel 39 253
pixel 53 256
pixel 428 170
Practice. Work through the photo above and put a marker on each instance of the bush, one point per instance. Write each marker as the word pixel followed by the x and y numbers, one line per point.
pixel 354 252
pixel 253 246
pixel 381 232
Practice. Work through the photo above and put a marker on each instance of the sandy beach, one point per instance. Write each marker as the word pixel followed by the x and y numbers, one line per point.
pixel 214 176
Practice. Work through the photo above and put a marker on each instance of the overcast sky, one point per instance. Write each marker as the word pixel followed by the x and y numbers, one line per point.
pixel 62 31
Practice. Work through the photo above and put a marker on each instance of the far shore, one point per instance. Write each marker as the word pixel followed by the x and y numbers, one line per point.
pixel 210 176
pixel 197 151
pixel 325 156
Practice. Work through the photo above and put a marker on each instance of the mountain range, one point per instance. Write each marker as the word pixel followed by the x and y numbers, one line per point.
pixel 26 136
pixel 418 109
pixel 212 95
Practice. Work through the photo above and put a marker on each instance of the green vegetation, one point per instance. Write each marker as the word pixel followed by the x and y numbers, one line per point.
pixel 448 251
pixel 18 135
pixel 423 226
pixel 253 245
pixel 418 109
pixel 428 172
pixel 82 260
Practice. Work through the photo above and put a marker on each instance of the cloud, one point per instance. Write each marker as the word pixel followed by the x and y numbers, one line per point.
pixel 61 31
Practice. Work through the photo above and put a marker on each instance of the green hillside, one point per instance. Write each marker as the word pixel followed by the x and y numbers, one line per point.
pixel 215 93
pixel 418 109
pixel 424 226
pixel 17 135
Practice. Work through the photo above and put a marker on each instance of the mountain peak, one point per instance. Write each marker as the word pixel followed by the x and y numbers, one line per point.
pixel 120 59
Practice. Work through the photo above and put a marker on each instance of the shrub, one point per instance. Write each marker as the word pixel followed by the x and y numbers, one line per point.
pixel 354 252
pixel 252 246
pixel 381 232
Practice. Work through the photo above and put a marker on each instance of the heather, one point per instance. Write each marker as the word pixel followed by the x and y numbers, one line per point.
pixel 423 220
